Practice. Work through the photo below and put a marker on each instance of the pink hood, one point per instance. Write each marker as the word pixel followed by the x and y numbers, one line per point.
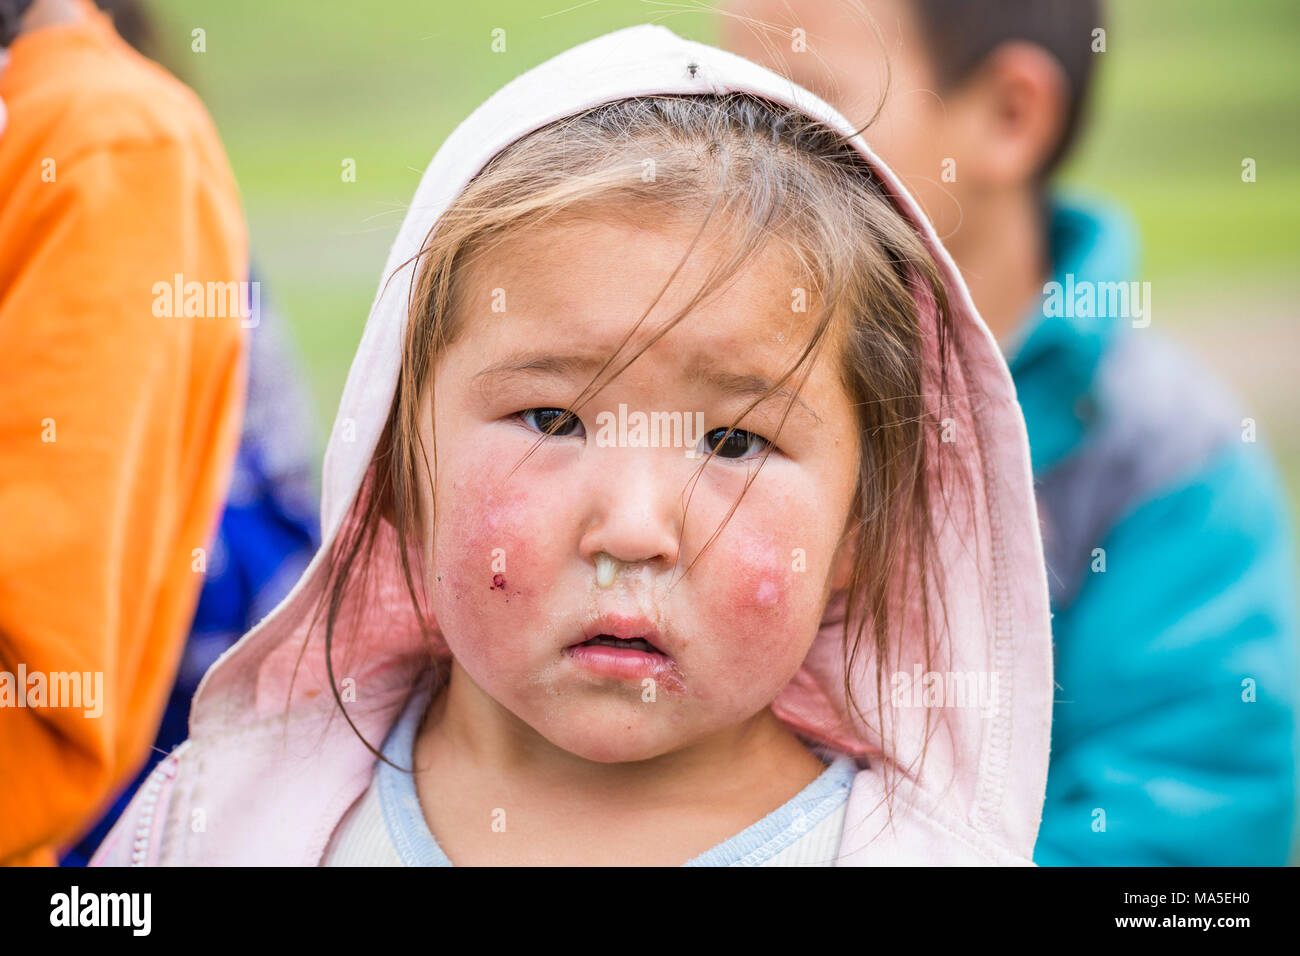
pixel 265 777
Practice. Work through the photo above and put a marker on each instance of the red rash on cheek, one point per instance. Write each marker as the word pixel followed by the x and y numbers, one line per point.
pixel 486 543
pixel 760 589
pixel 757 582
pixel 758 612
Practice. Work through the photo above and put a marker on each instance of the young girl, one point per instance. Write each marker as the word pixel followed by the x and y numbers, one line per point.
pixel 678 511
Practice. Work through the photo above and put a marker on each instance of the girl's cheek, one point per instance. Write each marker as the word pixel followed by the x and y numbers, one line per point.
pixel 762 602
pixel 488 566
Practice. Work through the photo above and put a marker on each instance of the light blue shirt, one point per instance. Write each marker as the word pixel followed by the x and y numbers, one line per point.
pixel 775 833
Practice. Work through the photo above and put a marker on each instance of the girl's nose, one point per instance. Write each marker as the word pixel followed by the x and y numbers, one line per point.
pixel 634 502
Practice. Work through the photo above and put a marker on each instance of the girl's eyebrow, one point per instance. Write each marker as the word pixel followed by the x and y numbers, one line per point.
pixel 700 371
pixel 546 363
pixel 746 386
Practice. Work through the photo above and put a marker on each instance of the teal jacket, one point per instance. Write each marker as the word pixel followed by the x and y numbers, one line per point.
pixel 1171 567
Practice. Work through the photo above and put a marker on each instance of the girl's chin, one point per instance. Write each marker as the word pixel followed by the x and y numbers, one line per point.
pixel 607 751
pixel 602 735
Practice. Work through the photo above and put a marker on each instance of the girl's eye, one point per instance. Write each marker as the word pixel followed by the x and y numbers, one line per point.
pixel 739 444
pixel 555 421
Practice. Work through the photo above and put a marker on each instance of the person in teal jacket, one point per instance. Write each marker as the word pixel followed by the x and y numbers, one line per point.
pixel 1170 552
pixel 1172 576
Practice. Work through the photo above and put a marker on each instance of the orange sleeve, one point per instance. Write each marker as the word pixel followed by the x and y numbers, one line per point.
pixel 118 430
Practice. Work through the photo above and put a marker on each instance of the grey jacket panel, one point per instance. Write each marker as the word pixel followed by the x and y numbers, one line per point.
pixel 1158 417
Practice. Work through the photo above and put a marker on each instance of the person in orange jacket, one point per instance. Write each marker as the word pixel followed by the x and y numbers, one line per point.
pixel 123 268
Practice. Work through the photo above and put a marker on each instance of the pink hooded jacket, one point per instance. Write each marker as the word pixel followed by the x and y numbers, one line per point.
pixel 265 778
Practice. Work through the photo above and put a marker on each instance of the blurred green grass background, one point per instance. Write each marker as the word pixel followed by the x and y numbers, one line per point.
pixel 1187 89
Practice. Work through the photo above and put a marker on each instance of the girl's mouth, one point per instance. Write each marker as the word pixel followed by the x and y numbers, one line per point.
pixel 624 660
pixel 622 643
pixel 626 648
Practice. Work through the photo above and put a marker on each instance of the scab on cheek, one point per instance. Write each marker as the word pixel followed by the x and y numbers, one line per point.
pixel 485 546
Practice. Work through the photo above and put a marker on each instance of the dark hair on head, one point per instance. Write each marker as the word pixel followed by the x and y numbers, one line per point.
pixel 11 15
pixel 961 34
pixel 135 24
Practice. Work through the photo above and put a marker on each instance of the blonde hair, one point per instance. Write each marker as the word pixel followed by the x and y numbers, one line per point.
pixel 775 174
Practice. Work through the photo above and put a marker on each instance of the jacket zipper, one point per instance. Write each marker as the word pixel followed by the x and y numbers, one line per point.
pixel 149 803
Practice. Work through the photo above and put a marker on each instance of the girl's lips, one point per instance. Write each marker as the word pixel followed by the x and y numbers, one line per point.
pixel 624 663
pixel 631 663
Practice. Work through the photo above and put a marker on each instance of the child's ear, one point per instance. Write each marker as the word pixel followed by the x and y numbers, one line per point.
pixel 1018 105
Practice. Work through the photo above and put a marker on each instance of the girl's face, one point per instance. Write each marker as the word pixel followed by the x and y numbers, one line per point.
pixel 593 533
